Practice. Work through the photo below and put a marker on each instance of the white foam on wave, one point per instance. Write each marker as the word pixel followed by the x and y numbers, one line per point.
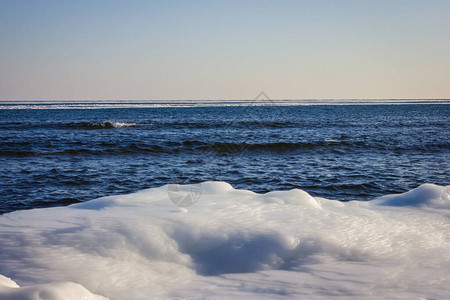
pixel 235 244
pixel 112 124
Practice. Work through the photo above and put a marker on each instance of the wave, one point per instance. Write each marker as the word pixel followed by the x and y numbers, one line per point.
pixel 205 148
pixel 178 147
pixel 102 125
pixel 202 124
pixel 241 123
pixel 160 124
pixel 71 125
pixel 269 147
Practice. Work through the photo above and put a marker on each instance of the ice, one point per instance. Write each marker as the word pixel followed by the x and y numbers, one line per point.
pixel 106 104
pixel 9 290
pixel 427 195
pixel 6 282
pixel 232 244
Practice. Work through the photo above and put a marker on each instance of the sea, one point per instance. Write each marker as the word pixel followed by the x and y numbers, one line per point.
pixel 55 153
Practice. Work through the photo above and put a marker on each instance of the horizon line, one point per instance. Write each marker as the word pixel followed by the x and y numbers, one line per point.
pixel 243 99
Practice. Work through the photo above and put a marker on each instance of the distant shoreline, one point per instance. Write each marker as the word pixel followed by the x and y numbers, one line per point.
pixel 102 104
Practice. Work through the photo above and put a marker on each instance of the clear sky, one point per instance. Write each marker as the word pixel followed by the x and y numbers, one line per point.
pixel 311 49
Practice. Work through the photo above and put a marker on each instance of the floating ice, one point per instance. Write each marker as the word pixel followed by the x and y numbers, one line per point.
pixel 233 244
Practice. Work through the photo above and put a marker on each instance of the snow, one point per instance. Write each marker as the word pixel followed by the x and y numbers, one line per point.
pixel 230 244
pixel 9 290
pixel 428 195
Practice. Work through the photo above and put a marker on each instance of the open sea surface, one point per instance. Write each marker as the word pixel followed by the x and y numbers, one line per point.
pixel 56 154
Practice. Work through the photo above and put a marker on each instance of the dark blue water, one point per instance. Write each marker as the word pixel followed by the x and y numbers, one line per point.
pixel 52 157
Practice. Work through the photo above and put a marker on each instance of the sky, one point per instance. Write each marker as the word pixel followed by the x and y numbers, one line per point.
pixel 167 50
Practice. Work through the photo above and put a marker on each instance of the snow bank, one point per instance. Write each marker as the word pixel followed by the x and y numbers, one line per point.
pixel 232 244
pixel 427 195
pixel 9 290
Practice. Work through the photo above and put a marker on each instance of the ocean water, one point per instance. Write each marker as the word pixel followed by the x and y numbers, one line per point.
pixel 57 154
pixel 145 201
